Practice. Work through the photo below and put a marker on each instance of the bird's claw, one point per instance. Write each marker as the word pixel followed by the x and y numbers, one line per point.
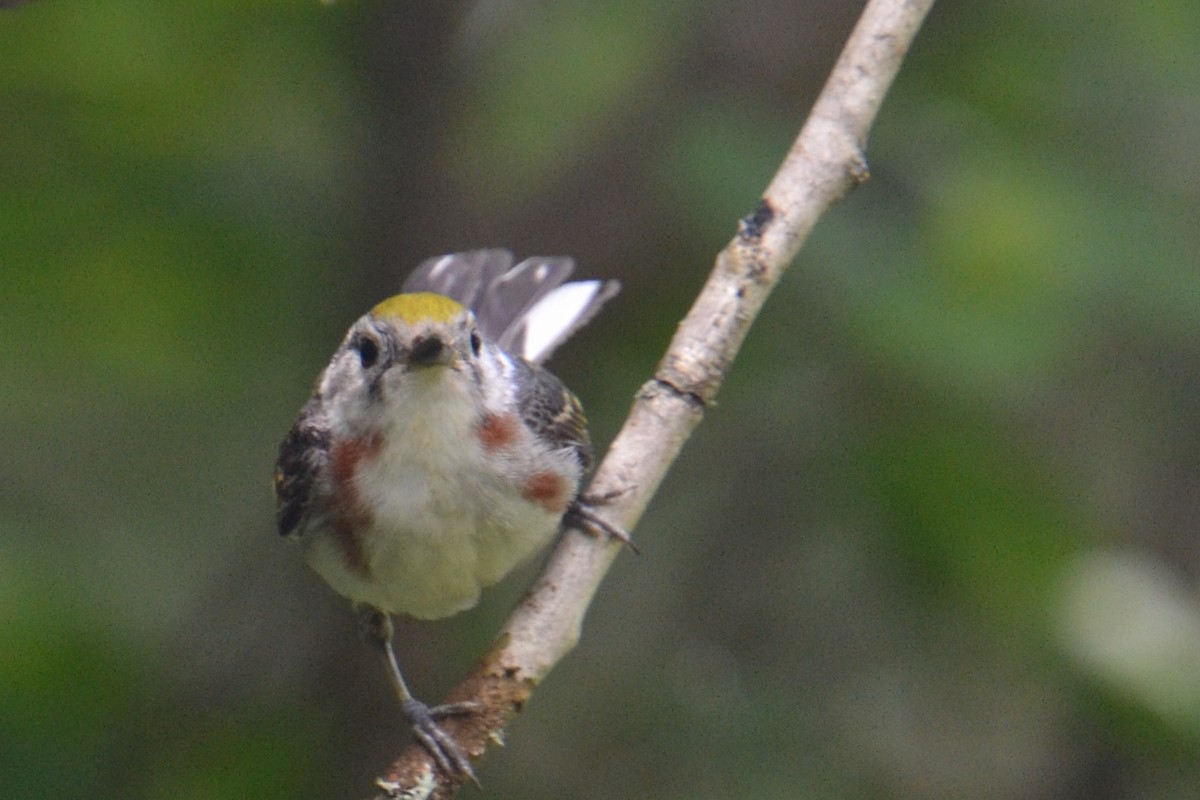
pixel 440 744
pixel 581 513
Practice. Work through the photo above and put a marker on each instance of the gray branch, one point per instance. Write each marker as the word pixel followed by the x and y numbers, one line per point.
pixel 826 160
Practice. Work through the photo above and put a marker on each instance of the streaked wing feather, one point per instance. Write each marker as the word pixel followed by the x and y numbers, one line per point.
pixel 303 455
pixel 553 412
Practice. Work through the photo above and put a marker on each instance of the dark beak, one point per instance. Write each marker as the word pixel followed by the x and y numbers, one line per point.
pixel 427 351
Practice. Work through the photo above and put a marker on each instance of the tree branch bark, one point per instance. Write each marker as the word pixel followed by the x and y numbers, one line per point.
pixel 824 163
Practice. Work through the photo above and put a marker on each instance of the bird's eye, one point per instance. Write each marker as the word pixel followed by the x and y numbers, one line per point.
pixel 476 342
pixel 367 349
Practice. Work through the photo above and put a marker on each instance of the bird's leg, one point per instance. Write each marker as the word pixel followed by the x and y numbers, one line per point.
pixel 376 627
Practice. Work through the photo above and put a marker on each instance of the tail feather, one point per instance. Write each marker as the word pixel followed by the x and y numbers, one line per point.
pixel 462 277
pixel 527 309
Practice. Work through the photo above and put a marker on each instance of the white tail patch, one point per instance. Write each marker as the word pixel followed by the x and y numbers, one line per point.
pixel 553 318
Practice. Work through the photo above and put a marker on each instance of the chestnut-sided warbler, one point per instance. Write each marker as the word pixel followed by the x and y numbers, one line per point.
pixel 435 454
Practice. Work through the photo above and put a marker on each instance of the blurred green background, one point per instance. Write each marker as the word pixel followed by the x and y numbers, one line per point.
pixel 938 539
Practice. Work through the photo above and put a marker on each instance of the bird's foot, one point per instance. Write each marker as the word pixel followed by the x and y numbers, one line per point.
pixel 582 514
pixel 441 745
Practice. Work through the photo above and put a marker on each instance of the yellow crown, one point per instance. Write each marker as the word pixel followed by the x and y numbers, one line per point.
pixel 418 307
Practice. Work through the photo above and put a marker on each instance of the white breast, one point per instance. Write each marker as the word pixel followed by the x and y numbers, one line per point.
pixel 448 516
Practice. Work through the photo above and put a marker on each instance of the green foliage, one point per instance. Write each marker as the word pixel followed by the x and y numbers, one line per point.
pixel 936 540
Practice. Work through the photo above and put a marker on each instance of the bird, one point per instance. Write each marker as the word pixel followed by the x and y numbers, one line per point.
pixel 436 454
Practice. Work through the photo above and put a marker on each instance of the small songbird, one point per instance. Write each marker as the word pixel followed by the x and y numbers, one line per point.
pixel 436 454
